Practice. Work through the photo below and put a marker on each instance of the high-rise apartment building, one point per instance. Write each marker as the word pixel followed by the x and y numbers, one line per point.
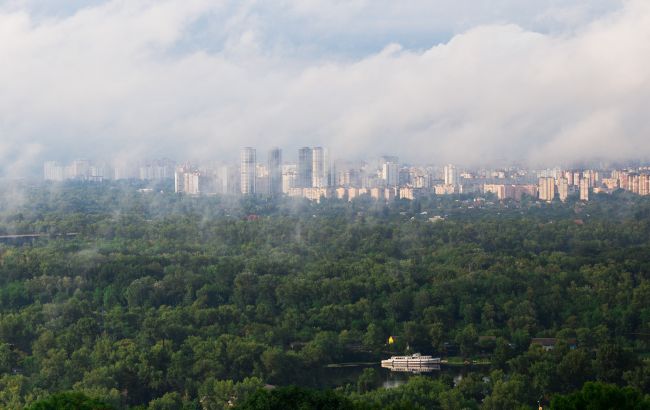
pixel 320 168
pixel 644 184
pixel 576 178
pixel 592 176
pixel 633 182
pixel 230 179
pixel 569 177
pixel 563 188
pixel 511 191
pixel 79 169
pixel 187 180
pixel 179 180
pixel 500 190
pixel 584 189
pixel 262 180
pixel 275 171
pixel 289 177
pixel 157 170
pixel 390 174
pixel 248 170
pixel 547 189
pixel 53 171
pixel 451 175
pixel 623 178
pixel 348 176
pixel 305 167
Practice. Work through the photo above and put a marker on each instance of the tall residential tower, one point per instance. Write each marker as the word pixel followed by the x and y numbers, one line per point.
pixel 320 168
pixel 451 175
pixel 248 170
pixel 275 171
pixel 547 189
pixel 305 167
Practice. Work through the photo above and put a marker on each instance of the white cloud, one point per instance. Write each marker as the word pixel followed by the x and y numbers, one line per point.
pixel 140 77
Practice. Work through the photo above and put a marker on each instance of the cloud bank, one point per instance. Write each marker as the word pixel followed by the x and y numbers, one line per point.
pixel 433 82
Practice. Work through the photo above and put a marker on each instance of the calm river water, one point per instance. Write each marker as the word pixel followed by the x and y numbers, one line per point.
pixel 340 375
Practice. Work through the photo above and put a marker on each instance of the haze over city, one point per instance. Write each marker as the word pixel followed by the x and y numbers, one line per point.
pixel 324 204
pixel 546 82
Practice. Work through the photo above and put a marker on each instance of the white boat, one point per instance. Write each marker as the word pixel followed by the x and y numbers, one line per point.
pixel 416 360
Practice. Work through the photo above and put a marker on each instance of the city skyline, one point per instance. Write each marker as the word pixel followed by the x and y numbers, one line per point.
pixel 295 153
pixel 315 176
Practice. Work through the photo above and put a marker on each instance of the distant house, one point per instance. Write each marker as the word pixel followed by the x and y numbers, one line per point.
pixel 548 343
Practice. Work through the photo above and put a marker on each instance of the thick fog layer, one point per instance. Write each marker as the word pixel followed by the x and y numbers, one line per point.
pixel 468 82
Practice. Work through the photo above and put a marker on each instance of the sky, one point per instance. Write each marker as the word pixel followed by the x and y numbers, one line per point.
pixel 474 82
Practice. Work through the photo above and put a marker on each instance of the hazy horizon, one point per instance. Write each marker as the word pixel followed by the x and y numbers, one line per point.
pixel 546 82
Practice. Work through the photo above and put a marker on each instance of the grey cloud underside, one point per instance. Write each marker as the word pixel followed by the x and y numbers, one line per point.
pixel 198 79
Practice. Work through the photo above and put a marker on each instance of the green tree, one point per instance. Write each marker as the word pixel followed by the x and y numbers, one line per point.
pixel 292 397
pixel 69 401
pixel 169 401
pixel 507 394
pixel 368 380
pixel 223 394
pixel 601 396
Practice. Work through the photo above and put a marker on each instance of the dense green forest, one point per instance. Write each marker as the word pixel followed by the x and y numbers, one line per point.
pixel 153 300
